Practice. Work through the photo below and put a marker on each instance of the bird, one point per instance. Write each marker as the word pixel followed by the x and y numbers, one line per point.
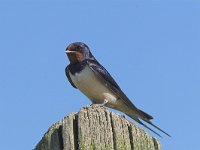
pixel 86 74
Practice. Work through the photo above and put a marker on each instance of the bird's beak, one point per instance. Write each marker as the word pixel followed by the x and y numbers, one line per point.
pixel 68 51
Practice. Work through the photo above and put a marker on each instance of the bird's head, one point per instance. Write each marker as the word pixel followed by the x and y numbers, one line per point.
pixel 78 52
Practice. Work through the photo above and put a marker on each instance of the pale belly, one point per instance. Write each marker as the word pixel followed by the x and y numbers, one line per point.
pixel 92 87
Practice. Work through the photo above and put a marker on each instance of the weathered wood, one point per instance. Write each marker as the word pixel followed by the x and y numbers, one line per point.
pixel 96 128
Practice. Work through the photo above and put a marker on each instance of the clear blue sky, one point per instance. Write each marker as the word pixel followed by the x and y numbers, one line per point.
pixel 151 48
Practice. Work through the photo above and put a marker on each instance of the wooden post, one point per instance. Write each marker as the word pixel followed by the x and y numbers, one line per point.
pixel 96 128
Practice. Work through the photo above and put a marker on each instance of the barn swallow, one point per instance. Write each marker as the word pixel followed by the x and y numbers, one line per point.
pixel 86 74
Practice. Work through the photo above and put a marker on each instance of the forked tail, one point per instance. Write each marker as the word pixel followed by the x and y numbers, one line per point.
pixel 146 117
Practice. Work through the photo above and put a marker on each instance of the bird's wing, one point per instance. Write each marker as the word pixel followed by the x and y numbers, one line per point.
pixel 69 78
pixel 104 76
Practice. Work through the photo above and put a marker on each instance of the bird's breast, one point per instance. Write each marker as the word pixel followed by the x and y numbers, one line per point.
pixel 95 89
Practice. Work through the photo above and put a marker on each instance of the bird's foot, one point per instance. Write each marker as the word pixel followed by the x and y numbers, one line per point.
pixel 100 105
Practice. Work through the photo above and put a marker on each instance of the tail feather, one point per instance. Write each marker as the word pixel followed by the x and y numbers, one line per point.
pixel 140 122
pixel 146 117
pixel 157 127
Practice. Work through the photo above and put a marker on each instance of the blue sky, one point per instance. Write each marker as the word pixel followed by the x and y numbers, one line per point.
pixel 151 48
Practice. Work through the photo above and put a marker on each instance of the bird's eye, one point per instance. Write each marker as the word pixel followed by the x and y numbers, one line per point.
pixel 78 48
